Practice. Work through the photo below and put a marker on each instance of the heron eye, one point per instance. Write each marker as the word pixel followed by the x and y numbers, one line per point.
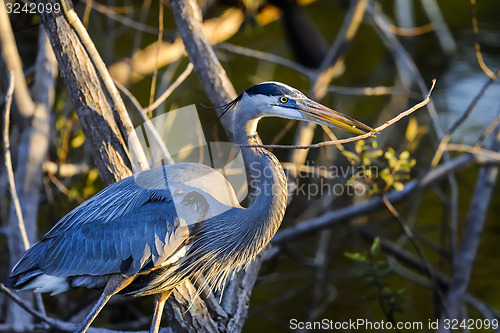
pixel 283 99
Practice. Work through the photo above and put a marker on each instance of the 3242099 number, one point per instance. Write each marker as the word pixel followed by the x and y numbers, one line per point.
pixel 470 324
pixel 32 8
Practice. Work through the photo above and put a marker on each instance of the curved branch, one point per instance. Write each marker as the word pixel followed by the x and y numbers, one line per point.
pixel 213 77
pixel 90 98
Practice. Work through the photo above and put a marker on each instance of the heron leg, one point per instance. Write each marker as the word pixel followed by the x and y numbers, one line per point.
pixel 115 283
pixel 159 305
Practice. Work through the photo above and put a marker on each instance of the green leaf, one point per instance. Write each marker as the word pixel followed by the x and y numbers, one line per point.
pixel 93 174
pixel 356 256
pixel 411 130
pixel 78 140
pixel 60 123
pixel 359 147
pixel 398 186
pixel 375 153
pixel 390 154
pixel 368 173
pixel 375 248
pixel 351 155
pixel 404 155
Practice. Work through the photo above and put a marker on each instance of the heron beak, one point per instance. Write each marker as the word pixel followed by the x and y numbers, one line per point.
pixel 325 116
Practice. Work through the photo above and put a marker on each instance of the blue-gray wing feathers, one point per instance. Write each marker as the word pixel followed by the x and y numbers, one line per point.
pixel 119 230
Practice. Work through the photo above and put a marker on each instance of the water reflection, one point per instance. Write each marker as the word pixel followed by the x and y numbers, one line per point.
pixel 461 82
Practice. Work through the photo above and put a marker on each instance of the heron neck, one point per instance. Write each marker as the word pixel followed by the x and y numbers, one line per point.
pixel 267 183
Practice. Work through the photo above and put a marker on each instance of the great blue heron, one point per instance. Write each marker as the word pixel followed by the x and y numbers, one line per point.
pixel 147 233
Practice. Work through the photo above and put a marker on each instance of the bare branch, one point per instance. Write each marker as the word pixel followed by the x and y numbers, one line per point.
pixel 184 75
pixel 259 55
pixel 144 111
pixel 409 233
pixel 403 58
pixel 119 111
pixel 343 215
pixel 477 46
pixel 216 30
pixel 158 43
pixel 213 77
pixel 8 162
pixel 65 169
pixel 415 31
pixel 488 130
pixel 54 323
pixel 373 91
pixel 27 308
pixel 464 260
pixel 493 155
pixel 13 61
pixel 444 35
pixel 349 28
pixel 90 98
pixel 114 15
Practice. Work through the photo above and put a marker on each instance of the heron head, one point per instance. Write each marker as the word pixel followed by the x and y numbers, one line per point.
pixel 275 99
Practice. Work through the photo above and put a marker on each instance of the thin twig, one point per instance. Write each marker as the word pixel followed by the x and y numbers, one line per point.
pixel 12 60
pixel 431 8
pixel 409 233
pixel 8 162
pixel 170 89
pixel 493 155
pixel 359 137
pixel 336 53
pixel 28 309
pixel 463 262
pixel 283 131
pixel 373 91
pixel 477 46
pixel 158 44
pixel 403 57
pixel 55 324
pixel 86 14
pixel 415 31
pixel 63 188
pixel 487 312
pixel 113 14
pixel 489 129
pixel 143 112
pixel 446 138
pixel 264 56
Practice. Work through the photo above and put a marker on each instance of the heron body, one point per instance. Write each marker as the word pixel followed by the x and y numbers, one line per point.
pixel 148 233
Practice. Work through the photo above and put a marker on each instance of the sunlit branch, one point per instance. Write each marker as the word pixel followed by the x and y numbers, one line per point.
pixel 8 162
pixel 415 31
pixel 477 46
